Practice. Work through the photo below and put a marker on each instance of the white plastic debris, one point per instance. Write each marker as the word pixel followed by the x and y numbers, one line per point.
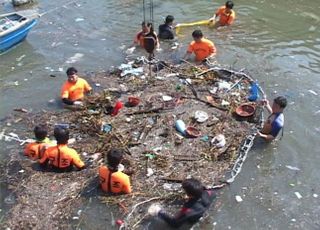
pixel 219 141
pixel 154 209
pixel 167 186
pixel 71 140
pixel 160 78
pixel 317 112
pixel 312 92
pixel 124 66
pixel 238 199
pixel 200 116
pixel 133 71
pixel 130 50
pixel 149 172
pixel 225 103
pixel 21 171
pixel 292 168
pixel 13 135
pixel 213 90
pixel 75 218
pixel 79 19
pixel 172 75
pixel 74 58
pixel 315 195
pixel 224 85
pixel 98 84
pixel 166 98
pixel 20 58
pixel 298 195
pixel 123 88
pixel 172 187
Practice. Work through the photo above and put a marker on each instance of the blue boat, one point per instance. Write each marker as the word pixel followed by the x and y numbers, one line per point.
pixel 14 28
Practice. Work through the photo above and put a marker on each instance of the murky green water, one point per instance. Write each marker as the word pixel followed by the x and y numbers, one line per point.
pixel 278 42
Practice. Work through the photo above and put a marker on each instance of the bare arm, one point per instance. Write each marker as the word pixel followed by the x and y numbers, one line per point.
pixel 267 137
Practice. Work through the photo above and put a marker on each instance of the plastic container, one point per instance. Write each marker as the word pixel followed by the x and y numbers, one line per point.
pixel 254 91
pixel 117 107
pixel 181 127
pixel 133 101
pixel 193 132
pixel 245 110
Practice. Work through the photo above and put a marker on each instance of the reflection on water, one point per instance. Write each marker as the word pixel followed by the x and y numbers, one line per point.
pixel 276 41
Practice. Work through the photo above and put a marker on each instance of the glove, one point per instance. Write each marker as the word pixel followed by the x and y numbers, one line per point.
pixel 80 103
pixel 154 209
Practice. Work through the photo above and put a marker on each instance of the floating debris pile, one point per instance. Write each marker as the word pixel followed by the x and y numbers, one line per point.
pixel 178 122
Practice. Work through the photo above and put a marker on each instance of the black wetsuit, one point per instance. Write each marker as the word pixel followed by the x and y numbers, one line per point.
pixel 191 211
pixel 166 32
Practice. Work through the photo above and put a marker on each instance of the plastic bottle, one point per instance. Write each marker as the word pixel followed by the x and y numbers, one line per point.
pixel 181 127
pixel 254 91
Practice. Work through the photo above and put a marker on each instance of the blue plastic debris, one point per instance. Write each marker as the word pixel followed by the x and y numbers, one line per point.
pixel 106 128
pixel 181 127
pixel 254 91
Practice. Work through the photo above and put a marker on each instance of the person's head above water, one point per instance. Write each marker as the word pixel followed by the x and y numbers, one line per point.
pixel 61 135
pixel 197 35
pixel 169 20
pixel 114 158
pixel 279 103
pixel 72 74
pixel 193 188
pixel 229 5
pixel 40 132
pixel 146 27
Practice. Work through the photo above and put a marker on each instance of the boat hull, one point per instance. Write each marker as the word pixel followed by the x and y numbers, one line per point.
pixel 15 37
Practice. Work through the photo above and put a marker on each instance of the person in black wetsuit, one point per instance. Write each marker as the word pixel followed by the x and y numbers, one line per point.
pixel 199 200
pixel 166 29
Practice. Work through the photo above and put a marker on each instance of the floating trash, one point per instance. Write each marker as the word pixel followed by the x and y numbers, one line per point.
pixel 181 127
pixel 224 85
pixel 201 116
pixel 219 141
pixel 133 101
pixel 149 172
pixel 130 50
pixel 106 128
pixel 298 195
pixel 79 19
pixel 154 209
pixel 166 98
pixel 238 199
pixel 193 132
pixel 75 58
pixel 312 92
pixel 292 168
